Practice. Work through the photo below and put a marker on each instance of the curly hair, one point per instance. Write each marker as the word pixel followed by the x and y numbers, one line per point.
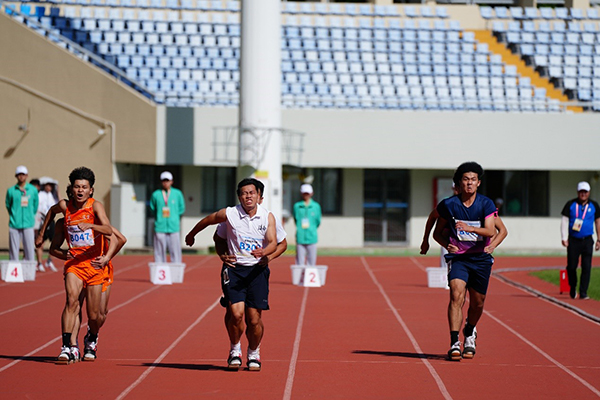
pixel 82 173
pixel 469 166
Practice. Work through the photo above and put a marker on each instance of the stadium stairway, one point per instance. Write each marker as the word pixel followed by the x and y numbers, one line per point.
pixel 509 57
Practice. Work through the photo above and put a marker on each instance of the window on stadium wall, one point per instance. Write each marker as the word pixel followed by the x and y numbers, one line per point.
pixel 523 193
pixel 218 188
pixel 385 205
pixel 327 186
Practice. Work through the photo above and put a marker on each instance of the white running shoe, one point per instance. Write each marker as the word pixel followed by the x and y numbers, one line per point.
pixel 234 361
pixel 75 354
pixel 50 266
pixel 454 352
pixel 469 348
pixel 65 355
pixel 253 362
pixel 40 267
pixel 89 351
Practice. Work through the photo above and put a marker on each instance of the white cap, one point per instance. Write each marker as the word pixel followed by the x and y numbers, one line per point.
pixel 21 169
pixel 583 186
pixel 166 176
pixel 306 188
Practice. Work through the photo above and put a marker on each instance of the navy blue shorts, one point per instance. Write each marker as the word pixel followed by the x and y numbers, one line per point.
pixel 475 269
pixel 246 284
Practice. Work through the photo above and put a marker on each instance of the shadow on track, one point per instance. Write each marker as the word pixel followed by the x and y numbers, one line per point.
pixel 40 359
pixel 193 367
pixel 403 354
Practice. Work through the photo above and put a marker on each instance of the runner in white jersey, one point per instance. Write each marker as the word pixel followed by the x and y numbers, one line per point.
pixel 251 238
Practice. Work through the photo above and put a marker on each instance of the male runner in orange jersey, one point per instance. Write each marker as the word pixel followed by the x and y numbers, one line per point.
pixel 85 224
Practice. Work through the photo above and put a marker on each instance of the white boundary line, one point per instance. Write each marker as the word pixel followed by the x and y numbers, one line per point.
pixel 56 339
pixel 432 371
pixel 167 351
pixel 546 355
pixel 292 369
pixel 57 294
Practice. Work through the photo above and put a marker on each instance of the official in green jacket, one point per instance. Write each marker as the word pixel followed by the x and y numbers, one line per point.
pixel 307 214
pixel 22 204
pixel 167 206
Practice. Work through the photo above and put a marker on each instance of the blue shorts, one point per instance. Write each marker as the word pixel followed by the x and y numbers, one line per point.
pixel 475 269
pixel 246 284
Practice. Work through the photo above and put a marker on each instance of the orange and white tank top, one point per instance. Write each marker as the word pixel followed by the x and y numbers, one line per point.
pixel 84 245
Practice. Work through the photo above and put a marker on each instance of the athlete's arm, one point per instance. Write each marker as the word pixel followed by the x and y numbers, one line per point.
pixel 57 241
pixel 488 230
pixel 440 237
pixel 223 251
pixel 116 242
pixel 59 207
pixel 212 219
pixel 433 216
pixel 597 222
pixel 498 237
pixel 104 228
pixel 271 237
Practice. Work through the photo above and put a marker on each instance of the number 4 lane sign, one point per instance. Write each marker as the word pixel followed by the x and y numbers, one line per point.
pixel 311 277
pixel 14 272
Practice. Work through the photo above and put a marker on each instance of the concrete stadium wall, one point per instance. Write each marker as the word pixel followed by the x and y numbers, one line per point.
pixel 59 139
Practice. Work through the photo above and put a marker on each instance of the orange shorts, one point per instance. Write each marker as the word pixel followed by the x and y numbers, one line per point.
pixel 108 276
pixel 88 274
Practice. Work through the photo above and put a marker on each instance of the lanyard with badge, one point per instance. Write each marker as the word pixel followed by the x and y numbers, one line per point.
pixel 579 221
pixel 24 198
pixel 305 220
pixel 166 212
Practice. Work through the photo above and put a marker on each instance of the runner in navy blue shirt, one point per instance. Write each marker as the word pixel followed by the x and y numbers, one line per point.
pixel 577 230
pixel 468 218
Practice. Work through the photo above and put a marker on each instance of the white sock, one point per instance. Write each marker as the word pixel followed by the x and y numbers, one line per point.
pixel 253 352
pixel 237 347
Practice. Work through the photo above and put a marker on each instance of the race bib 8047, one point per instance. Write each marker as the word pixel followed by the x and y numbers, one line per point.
pixel 79 238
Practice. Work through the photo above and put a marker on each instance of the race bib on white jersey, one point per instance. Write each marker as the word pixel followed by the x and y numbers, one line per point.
pixel 79 238
pixel 469 236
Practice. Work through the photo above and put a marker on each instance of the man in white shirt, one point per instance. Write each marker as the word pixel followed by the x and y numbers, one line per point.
pixel 251 238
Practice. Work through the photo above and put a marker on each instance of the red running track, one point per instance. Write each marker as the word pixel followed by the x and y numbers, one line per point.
pixel 375 330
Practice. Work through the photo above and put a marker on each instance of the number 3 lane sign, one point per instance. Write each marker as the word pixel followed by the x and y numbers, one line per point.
pixel 162 275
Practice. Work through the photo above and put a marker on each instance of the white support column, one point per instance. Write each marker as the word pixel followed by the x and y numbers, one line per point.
pixel 260 97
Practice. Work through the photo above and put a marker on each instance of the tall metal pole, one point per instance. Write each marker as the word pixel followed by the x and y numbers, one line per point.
pixel 260 98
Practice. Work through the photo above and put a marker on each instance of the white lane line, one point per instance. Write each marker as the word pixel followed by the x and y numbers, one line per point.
pixel 432 371
pixel 546 355
pixel 56 339
pixel 167 351
pixel 57 293
pixel 418 264
pixel 287 394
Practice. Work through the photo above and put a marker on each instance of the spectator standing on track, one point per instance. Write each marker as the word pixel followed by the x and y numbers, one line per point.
pixel 469 216
pixel 579 216
pixel 251 238
pixel 22 204
pixel 47 198
pixel 167 206
pixel 307 215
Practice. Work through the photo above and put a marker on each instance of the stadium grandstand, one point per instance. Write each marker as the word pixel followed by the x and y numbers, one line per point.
pixel 377 103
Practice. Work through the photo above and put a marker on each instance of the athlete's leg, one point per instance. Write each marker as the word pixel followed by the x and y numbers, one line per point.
pixel 73 287
pixel 104 302
pixel 77 325
pixel 235 323
pixel 458 291
pixel 475 310
pixel 254 327
pixel 94 299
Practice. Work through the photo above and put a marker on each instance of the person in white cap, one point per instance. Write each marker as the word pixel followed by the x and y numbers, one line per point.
pixel 307 214
pixel 22 204
pixel 167 205
pixel 579 216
